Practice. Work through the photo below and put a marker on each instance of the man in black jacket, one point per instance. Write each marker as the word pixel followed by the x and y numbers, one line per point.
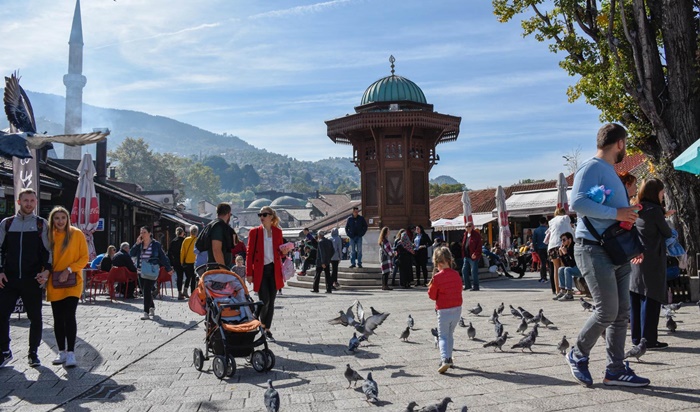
pixel 323 263
pixel 355 228
pixel 25 267
pixel 174 256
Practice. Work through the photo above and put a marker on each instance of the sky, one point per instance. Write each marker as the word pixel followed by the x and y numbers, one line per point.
pixel 271 72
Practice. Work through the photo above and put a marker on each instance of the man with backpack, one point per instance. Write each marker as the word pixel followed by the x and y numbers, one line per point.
pixel 25 267
pixel 217 237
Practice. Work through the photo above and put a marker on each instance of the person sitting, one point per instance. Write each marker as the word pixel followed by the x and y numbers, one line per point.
pixel 123 259
pixel 495 260
pixel 106 263
pixel 568 270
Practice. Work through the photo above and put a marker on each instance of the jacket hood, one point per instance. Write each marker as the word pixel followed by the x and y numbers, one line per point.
pixel 334 232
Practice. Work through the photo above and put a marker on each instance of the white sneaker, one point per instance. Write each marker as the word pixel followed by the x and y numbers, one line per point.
pixel 152 311
pixel 70 360
pixel 60 359
pixel 145 316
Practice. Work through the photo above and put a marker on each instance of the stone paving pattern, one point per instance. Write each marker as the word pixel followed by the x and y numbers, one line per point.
pixel 151 361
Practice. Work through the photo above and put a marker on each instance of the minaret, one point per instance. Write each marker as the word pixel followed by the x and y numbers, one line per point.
pixel 74 81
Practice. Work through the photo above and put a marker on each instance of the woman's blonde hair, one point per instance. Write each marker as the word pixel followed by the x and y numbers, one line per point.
pixel 382 235
pixel 275 219
pixel 66 240
pixel 442 255
pixel 560 211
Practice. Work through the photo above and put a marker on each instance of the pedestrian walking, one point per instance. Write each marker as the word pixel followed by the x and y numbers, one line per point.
pixel 445 290
pixel 150 257
pixel 188 260
pixel 174 254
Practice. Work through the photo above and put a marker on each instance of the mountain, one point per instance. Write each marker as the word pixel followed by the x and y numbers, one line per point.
pixel 444 180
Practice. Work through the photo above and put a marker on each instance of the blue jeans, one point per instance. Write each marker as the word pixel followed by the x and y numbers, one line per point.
pixel 644 318
pixel 610 289
pixel 356 250
pixel 447 322
pixel 567 275
pixel 473 266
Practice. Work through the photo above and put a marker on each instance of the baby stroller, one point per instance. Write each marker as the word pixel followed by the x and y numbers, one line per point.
pixel 231 323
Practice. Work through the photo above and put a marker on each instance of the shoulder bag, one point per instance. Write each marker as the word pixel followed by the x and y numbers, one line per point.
pixel 622 245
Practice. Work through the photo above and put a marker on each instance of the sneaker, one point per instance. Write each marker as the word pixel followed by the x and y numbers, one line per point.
pixel 352 266
pixel 625 378
pixel 152 311
pixel 33 359
pixel 5 358
pixel 70 360
pixel 579 369
pixel 444 366
pixel 567 296
pixel 657 345
pixel 145 316
pixel 268 336
pixel 60 359
pixel 559 295
pixel 359 265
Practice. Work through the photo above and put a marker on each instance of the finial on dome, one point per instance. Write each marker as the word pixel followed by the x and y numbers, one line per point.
pixel 392 60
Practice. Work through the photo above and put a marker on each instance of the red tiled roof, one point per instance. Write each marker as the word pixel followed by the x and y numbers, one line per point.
pixel 635 164
pixel 329 203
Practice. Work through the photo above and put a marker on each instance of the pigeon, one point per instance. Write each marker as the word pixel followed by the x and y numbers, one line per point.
pixel 498 343
pixel 363 338
pixel 498 328
pixel 500 308
pixel 471 332
pixel 546 322
pixel 461 322
pixel 523 326
pixel 371 324
pixel 537 318
pixel 525 343
pixel 563 345
pixel 535 330
pixel 405 334
pixel 494 317
pixel 637 351
pixel 354 343
pixel 436 336
pixel 409 322
pixel 476 310
pixel 586 305
pixel 370 388
pixel 272 398
pixel 23 135
pixel 670 324
pixel 340 320
pixel 410 407
pixel 464 408
pixel 527 315
pixel 360 311
pixel 438 407
pixel 374 311
pixel 673 306
pixel 351 375
pixel 515 312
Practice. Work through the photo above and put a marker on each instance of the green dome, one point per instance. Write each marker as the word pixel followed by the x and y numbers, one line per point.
pixel 258 203
pixel 287 201
pixel 393 89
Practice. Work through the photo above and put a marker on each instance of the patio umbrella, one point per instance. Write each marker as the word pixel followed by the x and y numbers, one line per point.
pixel 467 208
pixel 503 229
pixel 562 186
pixel 86 210
pixel 689 160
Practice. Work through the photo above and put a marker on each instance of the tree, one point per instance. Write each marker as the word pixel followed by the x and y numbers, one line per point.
pixel 637 61
pixel 202 183
pixel 573 158
pixel 138 164
pixel 437 189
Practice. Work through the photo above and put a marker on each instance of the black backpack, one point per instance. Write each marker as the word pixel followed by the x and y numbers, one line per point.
pixel 203 242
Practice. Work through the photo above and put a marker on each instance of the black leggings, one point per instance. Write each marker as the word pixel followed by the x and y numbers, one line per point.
pixel 147 289
pixel 267 294
pixel 191 279
pixel 65 326
pixel 180 275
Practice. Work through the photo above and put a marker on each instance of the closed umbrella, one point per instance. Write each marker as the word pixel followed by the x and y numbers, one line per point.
pixel 562 199
pixel 86 210
pixel 689 160
pixel 503 229
pixel 467 208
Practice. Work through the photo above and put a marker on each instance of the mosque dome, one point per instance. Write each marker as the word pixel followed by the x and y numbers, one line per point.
pixel 287 201
pixel 393 89
pixel 258 203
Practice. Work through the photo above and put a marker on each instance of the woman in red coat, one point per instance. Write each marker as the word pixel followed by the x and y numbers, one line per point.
pixel 264 264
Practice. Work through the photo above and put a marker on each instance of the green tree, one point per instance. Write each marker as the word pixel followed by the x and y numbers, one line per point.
pixel 441 189
pixel 637 61
pixel 202 183
pixel 138 164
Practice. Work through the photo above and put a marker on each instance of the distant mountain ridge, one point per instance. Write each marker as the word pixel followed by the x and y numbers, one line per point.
pixel 444 180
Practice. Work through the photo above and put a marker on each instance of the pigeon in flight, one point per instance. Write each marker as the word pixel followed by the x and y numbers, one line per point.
pixel 354 343
pixel 438 407
pixel 563 345
pixel 436 336
pixel 673 306
pixel 527 315
pixel 351 375
pixel 586 305
pixel 340 320
pixel 500 308
pixel 523 326
pixel 637 351
pixel 476 309
pixel 23 135
pixel 515 312
pixel 374 311
pixel 498 343
pixel 471 332
pixel 371 323
pixel 272 398
pixel 409 322
pixel 370 389
pixel 405 334
pixel 671 324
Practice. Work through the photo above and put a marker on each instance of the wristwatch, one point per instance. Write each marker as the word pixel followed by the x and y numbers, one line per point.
pixel 69 270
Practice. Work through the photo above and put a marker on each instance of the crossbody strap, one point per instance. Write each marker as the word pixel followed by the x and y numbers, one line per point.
pixel 591 229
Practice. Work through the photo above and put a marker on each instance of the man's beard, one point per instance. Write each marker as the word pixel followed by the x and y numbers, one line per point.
pixel 620 156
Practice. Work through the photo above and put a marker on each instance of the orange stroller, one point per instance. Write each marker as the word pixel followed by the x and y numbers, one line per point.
pixel 231 323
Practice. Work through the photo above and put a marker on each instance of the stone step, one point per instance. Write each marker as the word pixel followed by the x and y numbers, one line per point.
pixel 344 282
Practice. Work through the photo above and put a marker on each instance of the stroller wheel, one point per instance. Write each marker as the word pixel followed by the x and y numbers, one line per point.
pixel 259 361
pixel 230 365
pixel 219 365
pixel 198 359
pixel 270 359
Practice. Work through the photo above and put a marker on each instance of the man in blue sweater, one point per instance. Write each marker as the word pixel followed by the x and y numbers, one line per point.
pixel 608 283
pixel 540 247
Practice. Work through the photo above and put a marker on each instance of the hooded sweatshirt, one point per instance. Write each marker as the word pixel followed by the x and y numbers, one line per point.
pixel 337 244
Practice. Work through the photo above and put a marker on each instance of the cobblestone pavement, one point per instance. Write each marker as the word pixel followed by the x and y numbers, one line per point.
pixel 126 364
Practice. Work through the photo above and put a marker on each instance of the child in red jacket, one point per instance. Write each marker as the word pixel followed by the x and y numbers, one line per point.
pixel 446 290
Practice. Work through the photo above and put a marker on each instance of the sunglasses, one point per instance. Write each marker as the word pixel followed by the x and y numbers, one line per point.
pixel 264 214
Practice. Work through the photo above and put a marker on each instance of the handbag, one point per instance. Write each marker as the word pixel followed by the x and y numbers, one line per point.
pixel 149 270
pixel 287 269
pixel 622 245
pixel 70 282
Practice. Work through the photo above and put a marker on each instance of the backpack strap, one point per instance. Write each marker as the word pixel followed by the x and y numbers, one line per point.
pixel 592 230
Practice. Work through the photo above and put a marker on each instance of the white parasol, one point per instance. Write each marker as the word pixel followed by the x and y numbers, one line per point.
pixel 86 210
pixel 562 199
pixel 467 208
pixel 503 228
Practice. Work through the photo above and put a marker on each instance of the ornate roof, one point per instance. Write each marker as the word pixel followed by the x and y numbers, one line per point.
pixel 258 203
pixel 288 201
pixel 393 89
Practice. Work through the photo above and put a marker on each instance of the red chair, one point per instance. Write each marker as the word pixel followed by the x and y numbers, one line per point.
pixel 96 280
pixel 163 278
pixel 120 275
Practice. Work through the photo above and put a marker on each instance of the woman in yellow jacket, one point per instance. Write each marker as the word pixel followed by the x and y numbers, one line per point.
pixel 70 255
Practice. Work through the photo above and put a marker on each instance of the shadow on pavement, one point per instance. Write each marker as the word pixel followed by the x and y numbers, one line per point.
pixel 328 350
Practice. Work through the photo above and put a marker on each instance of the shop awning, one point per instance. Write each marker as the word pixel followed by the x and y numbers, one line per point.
pixel 534 202
pixel 480 219
pixel 179 220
